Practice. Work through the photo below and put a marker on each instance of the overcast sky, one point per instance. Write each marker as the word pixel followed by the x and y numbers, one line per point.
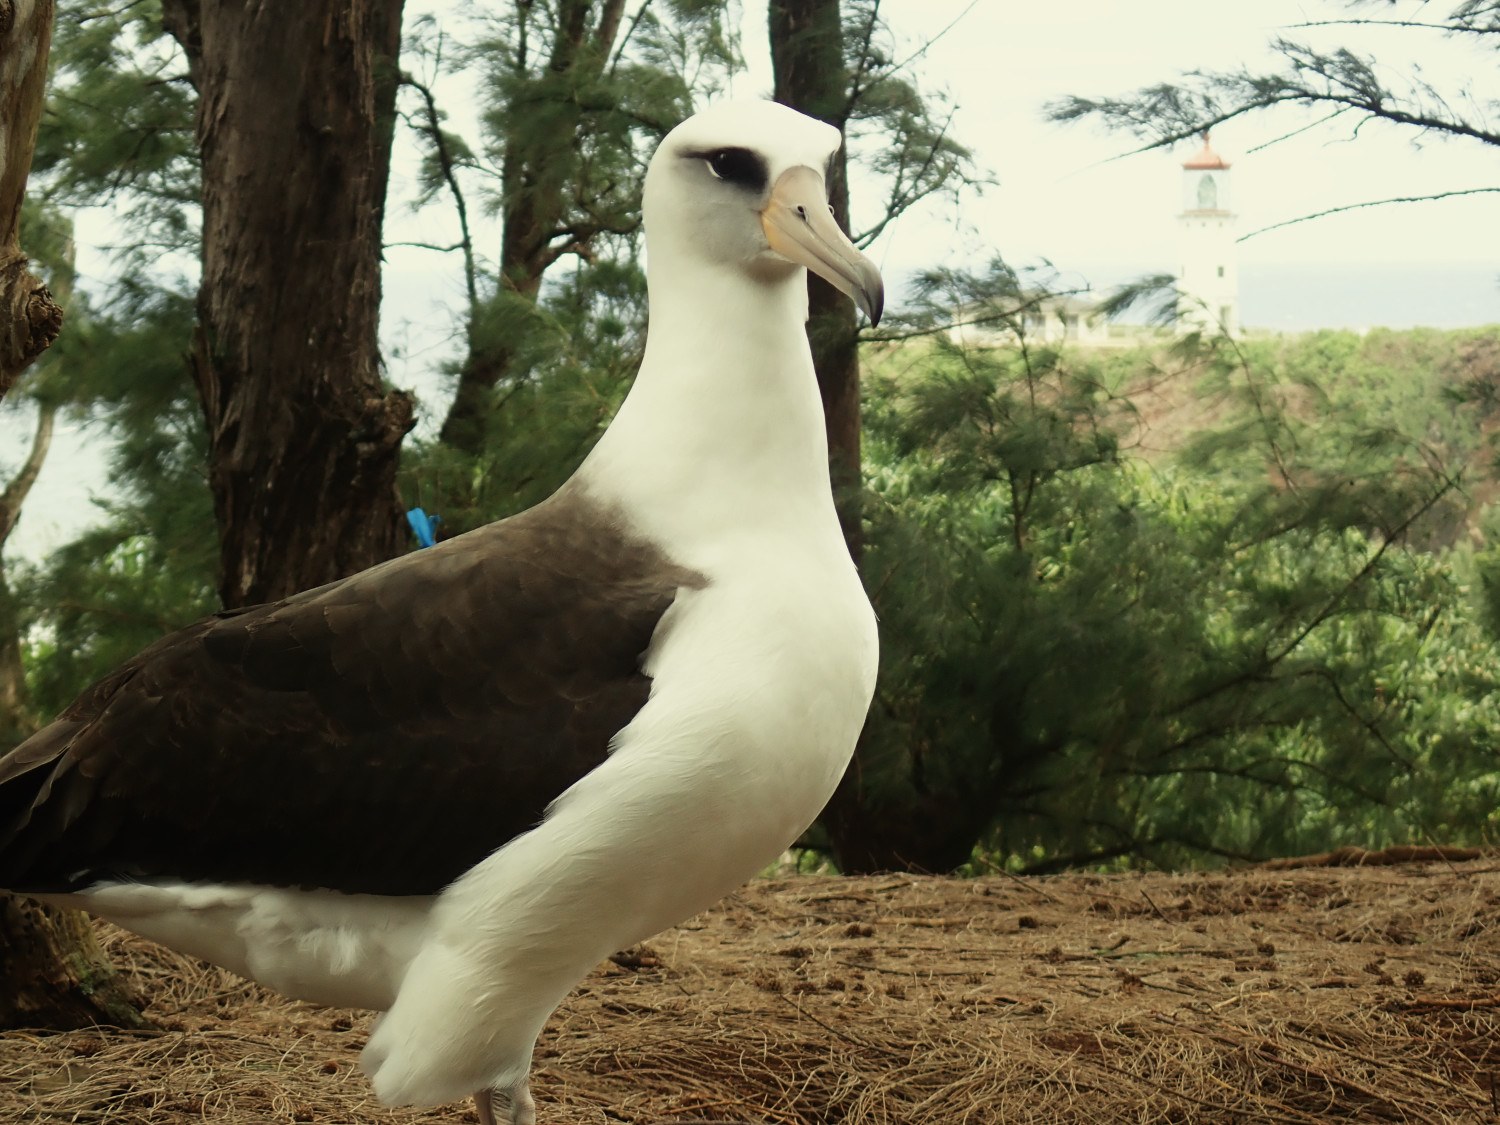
pixel 1063 197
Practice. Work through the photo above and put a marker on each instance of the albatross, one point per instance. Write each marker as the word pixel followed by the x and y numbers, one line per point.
pixel 447 787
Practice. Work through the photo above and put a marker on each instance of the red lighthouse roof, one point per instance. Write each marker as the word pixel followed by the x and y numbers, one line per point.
pixel 1206 157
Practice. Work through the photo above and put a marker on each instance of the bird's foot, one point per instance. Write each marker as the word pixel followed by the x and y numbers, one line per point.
pixel 506 1107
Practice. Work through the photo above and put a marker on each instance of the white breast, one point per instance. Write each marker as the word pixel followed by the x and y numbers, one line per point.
pixel 760 685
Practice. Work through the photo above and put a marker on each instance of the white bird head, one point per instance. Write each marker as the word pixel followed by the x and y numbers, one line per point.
pixel 742 186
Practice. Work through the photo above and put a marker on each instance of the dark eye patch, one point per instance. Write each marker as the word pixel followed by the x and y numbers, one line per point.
pixel 738 166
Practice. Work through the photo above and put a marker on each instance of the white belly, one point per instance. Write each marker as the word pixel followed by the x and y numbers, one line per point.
pixel 347 951
pixel 751 722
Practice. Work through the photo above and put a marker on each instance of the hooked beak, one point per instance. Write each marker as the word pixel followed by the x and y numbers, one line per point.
pixel 800 227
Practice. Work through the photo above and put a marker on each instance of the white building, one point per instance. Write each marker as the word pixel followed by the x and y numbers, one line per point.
pixel 1207 281
pixel 1046 318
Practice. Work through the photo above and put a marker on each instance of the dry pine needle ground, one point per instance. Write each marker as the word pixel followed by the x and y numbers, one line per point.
pixel 1297 995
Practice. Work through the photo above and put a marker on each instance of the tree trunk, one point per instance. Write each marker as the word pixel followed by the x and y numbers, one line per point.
pixel 932 833
pixel 29 318
pixel 54 975
pixel 807 58
pixel 52 972
pixel 931 820
pixel 296 112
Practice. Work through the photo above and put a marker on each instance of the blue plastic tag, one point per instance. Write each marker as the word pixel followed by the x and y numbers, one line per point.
pixel 423 526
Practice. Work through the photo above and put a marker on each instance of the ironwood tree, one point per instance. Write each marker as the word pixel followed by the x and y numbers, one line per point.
pixel 808 61
pixel 120 129
pixel 29 318
pixel 834 61
pixel 295 118
pixel 52 972
pixel 1110 636
pixel 576 94
pixel 557 61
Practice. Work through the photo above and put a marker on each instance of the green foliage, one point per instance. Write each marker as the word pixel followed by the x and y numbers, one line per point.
pixel 119 126
pixel 1407 381
pixel 575 97
pixel 579 347
pixel 119 132
pixel 149 566
pixel 1239 650
pixel 572 118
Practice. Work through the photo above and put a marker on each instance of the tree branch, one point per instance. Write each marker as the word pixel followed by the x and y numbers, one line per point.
pixel 452 246
pixel 609 27
pixel 1367 203
pixel 635 22
pixel 16 491
pixel 902 199
pixel 447 165
pixel 1446 28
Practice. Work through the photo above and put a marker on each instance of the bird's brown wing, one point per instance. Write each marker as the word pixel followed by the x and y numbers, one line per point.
pixel 380 734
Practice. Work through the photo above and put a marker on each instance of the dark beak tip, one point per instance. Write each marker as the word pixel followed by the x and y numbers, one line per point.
pixel 873 305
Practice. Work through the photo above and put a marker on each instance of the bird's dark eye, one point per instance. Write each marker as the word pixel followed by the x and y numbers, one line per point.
pixel 737 166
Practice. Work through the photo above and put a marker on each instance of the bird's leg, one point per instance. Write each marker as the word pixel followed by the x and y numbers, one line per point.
pixel 514 1105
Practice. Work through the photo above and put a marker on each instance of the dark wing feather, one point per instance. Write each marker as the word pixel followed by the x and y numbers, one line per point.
pixel 380 734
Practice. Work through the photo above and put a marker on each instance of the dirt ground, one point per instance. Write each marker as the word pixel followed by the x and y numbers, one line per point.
pixel 1307 994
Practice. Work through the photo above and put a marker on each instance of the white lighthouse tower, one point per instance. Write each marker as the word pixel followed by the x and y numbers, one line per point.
pixel 1208 285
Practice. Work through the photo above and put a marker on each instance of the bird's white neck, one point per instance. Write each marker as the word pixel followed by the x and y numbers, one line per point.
pixel 723 430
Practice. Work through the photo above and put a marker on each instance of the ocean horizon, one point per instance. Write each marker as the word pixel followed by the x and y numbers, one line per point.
pixel 1303 298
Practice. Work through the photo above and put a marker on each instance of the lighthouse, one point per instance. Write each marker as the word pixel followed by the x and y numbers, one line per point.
pixel 1207 285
